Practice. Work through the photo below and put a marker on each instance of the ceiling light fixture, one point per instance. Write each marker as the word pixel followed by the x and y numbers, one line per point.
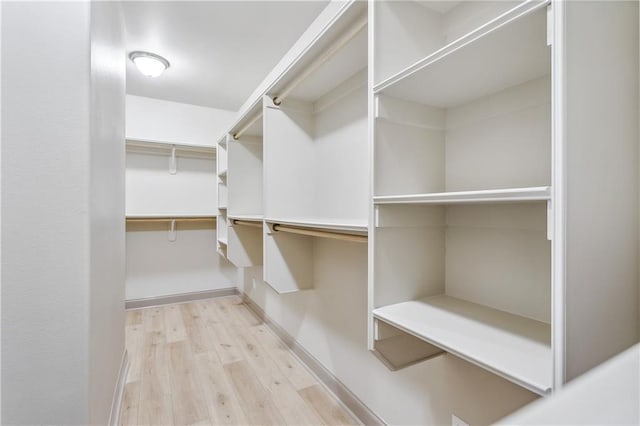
pixel 149 64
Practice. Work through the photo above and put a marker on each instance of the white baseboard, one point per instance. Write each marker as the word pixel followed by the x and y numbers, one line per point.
pixel 179 298
pixel 118 394
pixel 350 401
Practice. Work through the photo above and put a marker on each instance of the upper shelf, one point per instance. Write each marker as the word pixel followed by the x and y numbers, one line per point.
pixel 509 50
pixel 248 125
pixel 322 224
pixel 164 148
pixel 329 62
pixel 514 347
pixel 347 62
pixel 203 216
pixel 247 217
pixel 541 193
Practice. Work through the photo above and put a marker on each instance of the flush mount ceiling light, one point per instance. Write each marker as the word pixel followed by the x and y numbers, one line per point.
pixel 149 64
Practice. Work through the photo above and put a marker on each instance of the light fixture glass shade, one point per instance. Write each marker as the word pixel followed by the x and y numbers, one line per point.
pixel 149 64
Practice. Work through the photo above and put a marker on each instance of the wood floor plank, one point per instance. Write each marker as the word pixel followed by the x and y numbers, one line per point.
pixel 222 402
pixel 326 406
pixel 134 342
pixel 291 406
pixel 195 329
pixel 218 334
pixel 154 325
pixel 298 374
pixel 189 406
pixel 174 325
pixel 153 319
pixel 236 304
pixel 134 317
pixel 130 401
pixel 155 407
pixel 257 402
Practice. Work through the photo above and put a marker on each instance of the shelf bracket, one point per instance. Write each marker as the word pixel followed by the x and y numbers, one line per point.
pixel 172 161
pixel 172 231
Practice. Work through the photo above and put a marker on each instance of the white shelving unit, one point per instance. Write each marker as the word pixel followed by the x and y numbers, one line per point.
pixel 318 185
pixel 471 244
pixel 245 175
pixel 316 175
pixel 286 185
pixel 245 183
pixel 462 191
pixel 482 182
pixel 222 191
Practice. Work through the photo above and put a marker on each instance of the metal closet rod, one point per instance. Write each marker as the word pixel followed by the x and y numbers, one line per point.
pixel 247 223
pixel 326 55
pixel 244 128
pixel 353 238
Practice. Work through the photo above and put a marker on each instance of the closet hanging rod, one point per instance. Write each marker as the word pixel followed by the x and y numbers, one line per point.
pixel 244 128
pixel 169 219
pixel 354 238
pixel 324 57
pixel 247 223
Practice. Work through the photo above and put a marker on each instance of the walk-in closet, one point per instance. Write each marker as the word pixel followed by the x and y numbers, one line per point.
pixel 324 212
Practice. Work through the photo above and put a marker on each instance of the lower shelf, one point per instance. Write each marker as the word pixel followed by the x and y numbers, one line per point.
pixel 511 346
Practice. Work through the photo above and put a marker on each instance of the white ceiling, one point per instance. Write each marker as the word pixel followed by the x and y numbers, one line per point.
pixel 219 50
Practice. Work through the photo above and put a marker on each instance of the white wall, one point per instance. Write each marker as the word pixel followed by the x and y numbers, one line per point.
pixel 107 242
pixel 602 184
pixel 151 189
pixel 157 267
pixel 158 120
pixel 330 321
pixel 57 212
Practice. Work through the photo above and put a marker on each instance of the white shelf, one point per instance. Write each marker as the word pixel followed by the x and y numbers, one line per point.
pixel 164 148
pixel 339 54
pixel 321 224
pixel 514 347
pixel 541 193
pixel 509 50
pixel 171 216
pixel 249 217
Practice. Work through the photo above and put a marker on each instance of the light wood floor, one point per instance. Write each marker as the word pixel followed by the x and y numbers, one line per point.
pixel 214 362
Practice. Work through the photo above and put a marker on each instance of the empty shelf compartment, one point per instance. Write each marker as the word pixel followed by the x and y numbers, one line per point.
pixel 512 346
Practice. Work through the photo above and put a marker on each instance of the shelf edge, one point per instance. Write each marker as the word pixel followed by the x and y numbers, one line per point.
pixel 542 391
pixel 541 193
